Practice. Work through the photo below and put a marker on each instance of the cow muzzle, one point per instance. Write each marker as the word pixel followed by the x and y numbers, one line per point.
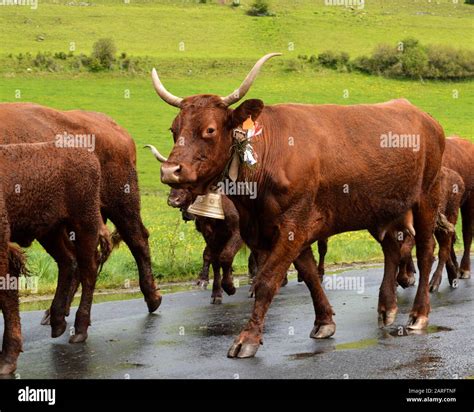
pixel 170 174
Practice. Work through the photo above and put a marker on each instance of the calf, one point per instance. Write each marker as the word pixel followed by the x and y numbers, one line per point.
pixel 47 193
pixel 222 239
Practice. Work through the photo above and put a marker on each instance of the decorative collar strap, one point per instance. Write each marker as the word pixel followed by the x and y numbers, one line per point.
pixel 243 152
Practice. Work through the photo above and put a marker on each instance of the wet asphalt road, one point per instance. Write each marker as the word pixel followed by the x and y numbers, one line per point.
pixel 189 338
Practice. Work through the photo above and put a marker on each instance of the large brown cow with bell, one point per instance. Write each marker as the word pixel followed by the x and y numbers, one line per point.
pixel 321 170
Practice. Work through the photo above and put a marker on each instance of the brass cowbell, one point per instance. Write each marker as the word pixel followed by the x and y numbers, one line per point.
pixel 209 205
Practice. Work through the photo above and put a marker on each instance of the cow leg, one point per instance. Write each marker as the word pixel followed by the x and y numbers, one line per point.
pixel 135 235
pixel 12 341
pixel 406 268
pixel 216 297
pixel 324 325
pixel 226 258
pixel 467 214
pixel 444 242
pixel 453 260
pixel 452 267
pixel 267 283
pixel 227 278
pixel 253 271
pixel 387 306
pixel 252 265
pixel 322 250
pixel 203 279
pixel 86 246
pixel 425 217
pixel 56 244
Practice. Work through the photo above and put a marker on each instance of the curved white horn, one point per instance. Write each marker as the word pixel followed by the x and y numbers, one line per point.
pixel 239 93
pixel 156 153
pixel 163 93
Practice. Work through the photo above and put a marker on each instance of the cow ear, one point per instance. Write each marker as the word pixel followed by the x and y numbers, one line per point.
pixel 251 107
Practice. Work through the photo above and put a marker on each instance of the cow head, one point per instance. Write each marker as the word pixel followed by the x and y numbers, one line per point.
pixel 181 199
pixel 202 133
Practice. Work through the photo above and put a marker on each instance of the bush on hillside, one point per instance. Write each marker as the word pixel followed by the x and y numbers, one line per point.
pixel 260 8
pixel 103 54
pixel 412 60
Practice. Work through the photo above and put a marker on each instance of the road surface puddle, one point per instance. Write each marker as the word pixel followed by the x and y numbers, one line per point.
pixel 359 344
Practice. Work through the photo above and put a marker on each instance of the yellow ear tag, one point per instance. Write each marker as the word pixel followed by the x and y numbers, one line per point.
pixel 248 124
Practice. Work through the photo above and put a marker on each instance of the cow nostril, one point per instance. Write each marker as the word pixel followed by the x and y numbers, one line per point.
pixel 170 174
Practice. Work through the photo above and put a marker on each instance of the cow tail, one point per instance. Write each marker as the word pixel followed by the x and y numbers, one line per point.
pixel 105 246
pixel 116 239
pixel 16 261
pixel 443 224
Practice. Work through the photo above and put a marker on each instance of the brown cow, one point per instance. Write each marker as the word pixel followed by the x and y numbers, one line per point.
pixel 453 188
pixel 459 156
pixel 115 149
pixel 13 262
pixel 322 170
pixel 47 192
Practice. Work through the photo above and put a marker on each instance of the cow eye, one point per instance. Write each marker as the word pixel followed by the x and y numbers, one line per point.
pixel 210 130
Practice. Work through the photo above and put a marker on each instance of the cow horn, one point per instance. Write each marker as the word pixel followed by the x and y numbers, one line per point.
pixel 156 153
pixel 163 93
pixel 238 94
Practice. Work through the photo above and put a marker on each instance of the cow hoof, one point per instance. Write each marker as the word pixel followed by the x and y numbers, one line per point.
pixel 323 331
pixel 434 287
pixel 202 283
pixel 46 318
pixel 417 322
pixel 285 282
pixel 216 300
pixel 78 338
pixel 7 368
pixel 154 303
pixel 243 350
pixel 407 283
pixel 464 274
pixel 386 318
pixel 58 330
pixel 229 289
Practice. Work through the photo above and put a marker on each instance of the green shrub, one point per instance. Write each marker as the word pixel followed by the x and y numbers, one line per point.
pixel 333 60
pixel 103 54
pixel 259 8
pixel 412 60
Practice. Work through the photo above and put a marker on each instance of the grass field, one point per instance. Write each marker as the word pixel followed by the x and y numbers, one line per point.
pixel 221 44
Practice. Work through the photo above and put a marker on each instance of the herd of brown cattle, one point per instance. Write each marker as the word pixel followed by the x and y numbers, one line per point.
pixel 334 177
